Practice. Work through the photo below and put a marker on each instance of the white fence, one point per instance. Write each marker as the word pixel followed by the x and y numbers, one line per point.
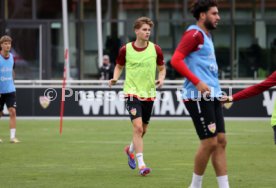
pixel 104 84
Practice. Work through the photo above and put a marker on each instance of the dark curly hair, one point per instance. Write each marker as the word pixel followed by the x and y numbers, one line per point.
pixel 202 6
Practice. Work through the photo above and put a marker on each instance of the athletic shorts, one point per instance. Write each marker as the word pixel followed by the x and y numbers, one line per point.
pixel 207 117
pixel 9 99
pixel 137 108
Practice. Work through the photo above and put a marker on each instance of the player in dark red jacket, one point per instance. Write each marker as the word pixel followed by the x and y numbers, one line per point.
pixel 255 90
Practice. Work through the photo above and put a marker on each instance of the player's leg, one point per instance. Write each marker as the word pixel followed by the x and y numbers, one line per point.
pixel 219 161
pixel 203 116
pixel 273 121
pixel 219 155
pixel 137 136
pixel 1 110
pixel 145 127
pixel 2 102
pixel 130 148
pixel 11 105
pixel 134 108
pixel 274 130
pixel 139 145
pixel 145 108
pixel 146 114
pixel 0 118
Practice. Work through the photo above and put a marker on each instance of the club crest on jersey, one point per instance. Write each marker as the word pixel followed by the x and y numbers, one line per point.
pixel 133 111
pixel 228 105
pixel 212 128
pixel 44 101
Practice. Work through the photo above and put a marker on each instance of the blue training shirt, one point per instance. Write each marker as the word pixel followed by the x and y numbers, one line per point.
pixel 204 65
pixel 6 75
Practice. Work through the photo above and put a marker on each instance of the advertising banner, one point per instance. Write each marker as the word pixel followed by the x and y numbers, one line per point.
pixel 105 102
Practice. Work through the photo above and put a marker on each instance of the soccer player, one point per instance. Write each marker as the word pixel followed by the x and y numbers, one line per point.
pixel 255 90
pixel 140 58
pixel 194 58
pixel 7 88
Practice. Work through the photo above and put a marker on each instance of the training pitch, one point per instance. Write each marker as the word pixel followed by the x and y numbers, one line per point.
pixel 89 153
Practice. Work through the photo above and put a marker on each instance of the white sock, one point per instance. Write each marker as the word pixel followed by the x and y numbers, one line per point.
pixel 131 147
pixel 140 160
pixel 223 181
pixel 12 131
pixel 196 181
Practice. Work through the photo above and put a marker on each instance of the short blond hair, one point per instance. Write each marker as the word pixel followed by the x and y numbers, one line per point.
pixel 5 38
pixel 142 20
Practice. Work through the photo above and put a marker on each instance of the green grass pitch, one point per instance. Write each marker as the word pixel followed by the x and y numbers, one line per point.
pixel 90 154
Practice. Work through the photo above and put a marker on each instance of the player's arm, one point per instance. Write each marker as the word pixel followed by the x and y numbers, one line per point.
pixel 189 43
pixel 161 75
pixel 160 67
pixel 117 73
pixel 255 89
pixel 120 64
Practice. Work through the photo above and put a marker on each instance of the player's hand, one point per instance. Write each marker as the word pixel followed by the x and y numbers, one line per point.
pixel 159 83
pixel 112 82
pixel 226 99
pixel 203 88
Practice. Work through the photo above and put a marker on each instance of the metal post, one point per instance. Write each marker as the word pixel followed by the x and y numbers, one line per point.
pixel 99 33
pixel 6 13
pixel 262 8
pixel 156 18
pixel 40 52
pixel 254 17
pixel 66 38
pixel 185 13
pixel 79 38
pixel 34 8
pixel 233 42
pixel 150 9
pixel 2 17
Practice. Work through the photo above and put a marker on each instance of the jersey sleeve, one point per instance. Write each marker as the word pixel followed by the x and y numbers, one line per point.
pixel 189 43
pixel 256 89
pixel 160 56
pixel 121 59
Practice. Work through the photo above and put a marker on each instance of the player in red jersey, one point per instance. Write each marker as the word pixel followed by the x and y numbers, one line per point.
pixel 255 90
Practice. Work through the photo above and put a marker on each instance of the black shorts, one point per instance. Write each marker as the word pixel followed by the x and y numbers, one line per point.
pixel 207 117
pixel 137 108
pixel 9 99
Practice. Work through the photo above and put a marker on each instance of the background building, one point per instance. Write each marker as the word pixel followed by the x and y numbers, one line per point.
pixel 245 40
